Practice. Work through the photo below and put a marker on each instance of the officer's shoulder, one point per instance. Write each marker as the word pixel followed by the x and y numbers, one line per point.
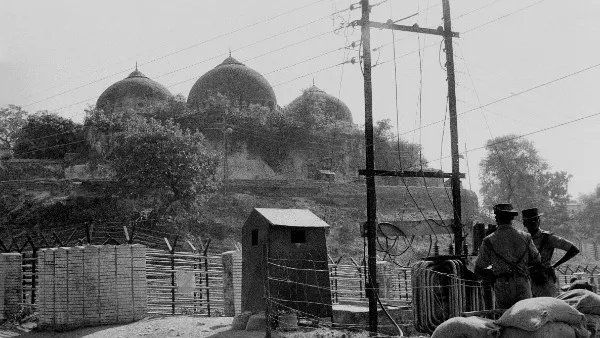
pixel 545 232
pixel 490 236
pixel 526 235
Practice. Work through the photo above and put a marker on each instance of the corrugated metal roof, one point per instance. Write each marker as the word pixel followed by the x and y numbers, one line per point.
pixel 292 217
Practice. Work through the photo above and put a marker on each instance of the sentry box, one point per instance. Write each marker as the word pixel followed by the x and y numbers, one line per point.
pixel 284 259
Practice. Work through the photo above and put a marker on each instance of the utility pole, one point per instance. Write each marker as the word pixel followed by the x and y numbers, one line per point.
pixel 457 226
pixel 447 34
pixel 371 226
pixel 370 172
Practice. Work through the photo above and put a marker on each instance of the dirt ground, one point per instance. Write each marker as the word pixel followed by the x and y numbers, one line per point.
pixel 153 327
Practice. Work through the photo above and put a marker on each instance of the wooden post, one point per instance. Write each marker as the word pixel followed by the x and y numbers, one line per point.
pixel 194 268
pixel 371 225
pixel 70 237
pixel 360 282
pixel 406 284
pixel 335 282
pixel 456 204
pixel 57 239
pixel 132 233
pixel 172 252
pixel 126 234
pixel 267 291
pixel 206 275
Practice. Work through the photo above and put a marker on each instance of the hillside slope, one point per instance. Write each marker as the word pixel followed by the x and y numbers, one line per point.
pixel 48 205
pixel 341 205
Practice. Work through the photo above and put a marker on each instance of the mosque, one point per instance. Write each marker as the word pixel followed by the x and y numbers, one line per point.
pixel 243 86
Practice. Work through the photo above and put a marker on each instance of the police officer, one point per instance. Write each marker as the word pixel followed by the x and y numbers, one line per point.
pixel 504 258
pixel 544 279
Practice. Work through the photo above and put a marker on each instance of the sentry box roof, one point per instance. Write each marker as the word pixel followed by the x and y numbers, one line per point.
pixel 292 218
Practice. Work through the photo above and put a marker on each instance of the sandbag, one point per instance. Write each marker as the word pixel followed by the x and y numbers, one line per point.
pixel 467 327
pixel 240 321
pixel 584 301
pixel 257 322
pixel 531 314
pixel 592 324
pixel 581 331
pixel 549 330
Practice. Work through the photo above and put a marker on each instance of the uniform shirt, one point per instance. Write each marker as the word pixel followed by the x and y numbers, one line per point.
pixel 512 245
pixel 553 242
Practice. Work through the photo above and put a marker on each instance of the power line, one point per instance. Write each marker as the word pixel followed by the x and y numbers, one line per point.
pixel 489 103
pixel 255 43
pixel 478 9
pixel 274 71
pixel 216 56
pixel 515 94
pixel 527 134
pixel 177 51
pixel 332 66
pixel 504 16
pixel 299 77
pixel 413 166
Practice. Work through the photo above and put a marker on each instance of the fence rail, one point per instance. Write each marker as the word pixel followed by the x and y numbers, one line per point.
pixel 187 278
pixel 348 283
pixel 181 279
pixel 184 283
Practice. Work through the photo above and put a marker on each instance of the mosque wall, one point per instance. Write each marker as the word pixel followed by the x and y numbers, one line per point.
pixel 241 165
pixel 138 91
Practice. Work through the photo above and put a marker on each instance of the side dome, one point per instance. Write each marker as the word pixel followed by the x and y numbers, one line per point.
pixel 236 81
pixel 135 91
pixel 333 106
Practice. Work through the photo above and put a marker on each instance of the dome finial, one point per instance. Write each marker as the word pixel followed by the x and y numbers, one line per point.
pixel 313 81
pixel 229 51
pixel 136 66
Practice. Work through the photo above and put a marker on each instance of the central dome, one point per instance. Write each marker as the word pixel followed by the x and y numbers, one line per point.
pixel 235 80
pixel 135 91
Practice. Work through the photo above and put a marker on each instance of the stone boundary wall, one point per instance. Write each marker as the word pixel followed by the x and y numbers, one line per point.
pixel 11 284
pixel 91 285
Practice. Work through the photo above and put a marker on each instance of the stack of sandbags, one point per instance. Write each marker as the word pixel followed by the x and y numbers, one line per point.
pixel 592 324
pixel 542 317
pixel 587 303
pixel 548 330
pixel 469 327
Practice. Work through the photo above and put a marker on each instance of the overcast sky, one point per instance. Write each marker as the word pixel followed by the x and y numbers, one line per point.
pixel 531 64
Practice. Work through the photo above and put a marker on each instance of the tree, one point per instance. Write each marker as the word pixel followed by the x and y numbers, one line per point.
pixel 162 165
pixel 12 119
pixel 513 171
pixel 393 153
pixel 49 136
pixel 586 222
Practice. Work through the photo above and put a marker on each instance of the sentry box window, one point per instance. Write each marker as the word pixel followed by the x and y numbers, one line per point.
pixel 254 237
pixel 298 236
